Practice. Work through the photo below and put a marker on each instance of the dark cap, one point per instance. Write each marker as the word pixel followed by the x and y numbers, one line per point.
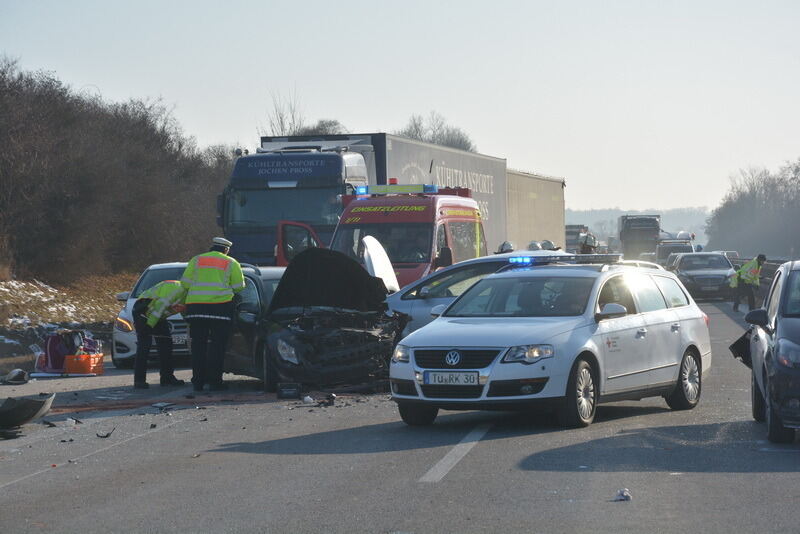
pixel 761 257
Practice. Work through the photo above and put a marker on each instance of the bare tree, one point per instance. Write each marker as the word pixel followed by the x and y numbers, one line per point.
pixel 285 117
pixel 435 130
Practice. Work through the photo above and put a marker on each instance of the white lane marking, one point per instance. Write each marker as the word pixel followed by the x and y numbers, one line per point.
pixel 87 455
pixel 438 471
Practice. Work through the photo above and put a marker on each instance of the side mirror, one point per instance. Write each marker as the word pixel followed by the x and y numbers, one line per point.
pixel 425 292
pixel 444 258
pixel 125 295
pixel 758 317
pixel 438 310
pixel 611 311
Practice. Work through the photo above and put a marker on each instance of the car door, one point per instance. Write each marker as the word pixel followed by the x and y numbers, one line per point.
pixel 239 356
pixel 662 334
pixel 444 288
pixel 762 341
pixel 620 340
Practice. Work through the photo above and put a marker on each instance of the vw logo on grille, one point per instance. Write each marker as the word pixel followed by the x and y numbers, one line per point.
pixel 452 358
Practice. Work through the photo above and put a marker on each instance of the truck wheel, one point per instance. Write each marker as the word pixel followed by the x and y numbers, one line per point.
pixel 268 375
pixel 417 415
pixel 687 391
pixel 580 404
pixel 757 400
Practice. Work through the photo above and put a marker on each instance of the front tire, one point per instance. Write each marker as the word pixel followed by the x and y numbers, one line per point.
pixel 776 432
pixel 268 375
pixel 757 400
pixel 580 404
pixel 687 391
pixel 417 415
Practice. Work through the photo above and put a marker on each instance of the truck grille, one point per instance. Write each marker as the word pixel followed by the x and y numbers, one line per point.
pixel 470 359
pixel 452 392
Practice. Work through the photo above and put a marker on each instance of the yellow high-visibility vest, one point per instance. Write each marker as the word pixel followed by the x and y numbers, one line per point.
pixel 212 278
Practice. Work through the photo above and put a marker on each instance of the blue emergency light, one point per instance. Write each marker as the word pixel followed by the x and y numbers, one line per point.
pixel 395 189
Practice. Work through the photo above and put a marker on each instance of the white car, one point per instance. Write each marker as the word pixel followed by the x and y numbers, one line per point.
pixel 123 337
pixel 565 336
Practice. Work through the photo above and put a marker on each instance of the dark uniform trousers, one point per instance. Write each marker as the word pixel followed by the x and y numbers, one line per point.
pixel 744 290
pixel 144 341
pixel 210 327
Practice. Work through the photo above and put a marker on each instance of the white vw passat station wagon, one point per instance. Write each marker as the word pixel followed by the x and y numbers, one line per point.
pixel 545 332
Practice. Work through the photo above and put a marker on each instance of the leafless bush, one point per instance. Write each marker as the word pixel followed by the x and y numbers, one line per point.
pixel 93 187
pixel 435 130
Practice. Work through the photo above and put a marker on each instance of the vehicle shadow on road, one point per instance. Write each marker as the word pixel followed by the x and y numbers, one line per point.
pixel 734 447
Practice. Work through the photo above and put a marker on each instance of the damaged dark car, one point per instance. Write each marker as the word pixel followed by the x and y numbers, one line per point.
pixel 326 324
pixel 771 348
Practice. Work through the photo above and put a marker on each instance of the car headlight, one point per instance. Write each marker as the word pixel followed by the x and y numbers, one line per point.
pixel 401 354
pixel 529 353
pixel 123 325
pixel 788 353
pixel 286 352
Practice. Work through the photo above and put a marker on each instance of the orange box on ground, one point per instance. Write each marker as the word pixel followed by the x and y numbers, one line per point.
pixel 83 364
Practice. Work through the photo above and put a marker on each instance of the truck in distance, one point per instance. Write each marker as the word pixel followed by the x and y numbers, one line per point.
pixel 638 234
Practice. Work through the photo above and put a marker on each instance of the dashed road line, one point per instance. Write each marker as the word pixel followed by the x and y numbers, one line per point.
pixel 438 471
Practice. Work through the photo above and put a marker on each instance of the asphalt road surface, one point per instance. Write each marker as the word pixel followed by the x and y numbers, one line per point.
pixel 260 465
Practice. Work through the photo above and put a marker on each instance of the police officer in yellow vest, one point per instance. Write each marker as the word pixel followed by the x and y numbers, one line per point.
pixel 150 312
pixel 746 281
pixel 211 280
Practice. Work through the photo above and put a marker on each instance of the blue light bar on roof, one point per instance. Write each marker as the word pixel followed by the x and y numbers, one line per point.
pixel 520 260
pixel 394 189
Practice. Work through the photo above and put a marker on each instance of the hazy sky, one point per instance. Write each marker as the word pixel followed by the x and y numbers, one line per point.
pixel 637 104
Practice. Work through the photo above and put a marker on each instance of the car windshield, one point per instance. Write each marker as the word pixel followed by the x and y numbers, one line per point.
pixel 666 250
pixel 153 276
pixel 263 208
pixel 792 308
pixel 710 261
pixel 403 242
pixel 540 296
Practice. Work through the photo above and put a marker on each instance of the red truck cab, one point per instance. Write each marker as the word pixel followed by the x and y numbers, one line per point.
pixel 421 227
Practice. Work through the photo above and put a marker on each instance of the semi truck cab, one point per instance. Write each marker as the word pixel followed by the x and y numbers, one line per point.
pixel 281 201
pixel 420 226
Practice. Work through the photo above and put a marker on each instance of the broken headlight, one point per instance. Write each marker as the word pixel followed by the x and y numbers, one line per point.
pixel 528 353
pixel 286 352
pixel 788 353
pixel 401 354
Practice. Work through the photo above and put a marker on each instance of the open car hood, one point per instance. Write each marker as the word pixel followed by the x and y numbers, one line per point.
pixel 377 263
pixel 323 277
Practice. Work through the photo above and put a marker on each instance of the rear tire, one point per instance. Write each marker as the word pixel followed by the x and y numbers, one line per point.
pixel 417 415
pixel 687 391
pixel 580 404
pixel 757 400
pixel 268 375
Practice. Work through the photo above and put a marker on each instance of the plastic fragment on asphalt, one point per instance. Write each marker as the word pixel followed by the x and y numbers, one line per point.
pixel 48 423
pixel 105 434
pixel 622 495
pixel 67 440
pixel 152 426
pixel 308 400
pixel 196 455
pixel 75 420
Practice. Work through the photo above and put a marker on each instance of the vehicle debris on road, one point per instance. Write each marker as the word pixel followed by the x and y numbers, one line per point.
pixel 105 434
pixel 16 412
pixel 622 495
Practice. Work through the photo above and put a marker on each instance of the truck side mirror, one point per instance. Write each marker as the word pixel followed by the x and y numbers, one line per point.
pixel 220 208
pixel 444 258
